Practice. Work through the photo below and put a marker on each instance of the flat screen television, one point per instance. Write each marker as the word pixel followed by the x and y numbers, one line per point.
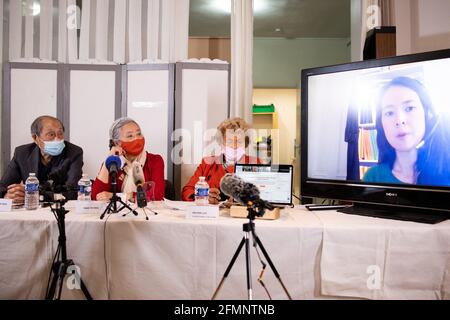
pixel 377 133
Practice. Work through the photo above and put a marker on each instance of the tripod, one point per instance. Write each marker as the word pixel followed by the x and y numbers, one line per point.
pixel 249 229
pixel 112 206
pixel 61 265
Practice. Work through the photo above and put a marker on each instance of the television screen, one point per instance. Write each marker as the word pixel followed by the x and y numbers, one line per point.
pixel 378 131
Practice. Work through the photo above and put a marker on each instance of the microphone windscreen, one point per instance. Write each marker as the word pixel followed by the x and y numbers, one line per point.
pixel 232 186
pixel 113 160
pixel 243 192
pixel 138 174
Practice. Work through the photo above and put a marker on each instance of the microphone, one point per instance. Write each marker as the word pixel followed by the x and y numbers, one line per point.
pixel 139 180
pixel 138 175
pixel 52 192
pixel 245 193
pixel 113 164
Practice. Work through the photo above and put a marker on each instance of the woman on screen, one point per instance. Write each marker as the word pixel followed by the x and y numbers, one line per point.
pixel 127 141
pixel 231 135
pixel 412 141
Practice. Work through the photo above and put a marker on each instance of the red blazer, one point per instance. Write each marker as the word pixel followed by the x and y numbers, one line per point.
pixel 212 169
pixel 153 171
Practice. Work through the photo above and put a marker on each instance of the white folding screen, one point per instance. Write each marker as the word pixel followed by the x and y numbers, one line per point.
pixel 30 91
pixel 94 103
pixel 202 102
pixel 150 102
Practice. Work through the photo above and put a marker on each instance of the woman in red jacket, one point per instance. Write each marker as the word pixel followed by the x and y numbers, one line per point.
pixel 128 142
pixel 231 134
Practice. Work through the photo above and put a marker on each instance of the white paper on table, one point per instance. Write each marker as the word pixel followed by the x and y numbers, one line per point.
pixel 6 205
pixel 177 205
pixel 90 206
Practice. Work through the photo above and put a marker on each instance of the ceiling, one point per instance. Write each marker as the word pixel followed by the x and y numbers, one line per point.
pixel 275 18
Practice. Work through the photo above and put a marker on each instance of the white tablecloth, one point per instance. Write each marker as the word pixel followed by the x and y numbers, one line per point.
pixel 318 255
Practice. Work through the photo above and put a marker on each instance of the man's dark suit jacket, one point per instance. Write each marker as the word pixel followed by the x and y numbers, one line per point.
pixel 26 159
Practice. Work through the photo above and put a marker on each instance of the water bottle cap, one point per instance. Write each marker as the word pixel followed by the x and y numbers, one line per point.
pixel 85 175
pixel 32 174
pixel 202 178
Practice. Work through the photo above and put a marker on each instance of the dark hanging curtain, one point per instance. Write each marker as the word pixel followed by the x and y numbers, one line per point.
pixel 352 137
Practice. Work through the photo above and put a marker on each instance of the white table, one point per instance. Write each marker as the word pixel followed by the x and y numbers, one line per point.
pixel 319 255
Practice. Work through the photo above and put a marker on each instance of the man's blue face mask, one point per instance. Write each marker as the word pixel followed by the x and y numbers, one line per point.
pixel 54 148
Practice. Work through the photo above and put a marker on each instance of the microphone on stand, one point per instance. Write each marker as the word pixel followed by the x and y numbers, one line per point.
pixel 139 180
pixel 113 164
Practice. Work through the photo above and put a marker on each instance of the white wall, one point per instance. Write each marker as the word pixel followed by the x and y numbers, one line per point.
pixel 327 117
pixel 277 62
pixel 422 25
pixel 356 25
pixel 285 101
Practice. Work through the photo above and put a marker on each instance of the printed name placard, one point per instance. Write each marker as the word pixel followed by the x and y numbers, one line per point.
pixel 5 205
pixel 202 212
pixel 90 206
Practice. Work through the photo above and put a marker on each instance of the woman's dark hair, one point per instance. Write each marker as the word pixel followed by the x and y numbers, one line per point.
pixel 432 163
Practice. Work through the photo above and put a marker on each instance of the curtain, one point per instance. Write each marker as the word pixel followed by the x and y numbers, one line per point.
pixel 119 31
pixel 174 30
pixel 46 30
pixel 101 30
pixel 119 37
pixel 15 29
pixel 375 13
pixel 134 31
pixel 153 35
pixel 29 29
pixel 85 33
pixel 242 59
pixel 62 31
pixel 387 12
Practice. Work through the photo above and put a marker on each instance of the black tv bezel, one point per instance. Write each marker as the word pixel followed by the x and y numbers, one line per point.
pixel 422 197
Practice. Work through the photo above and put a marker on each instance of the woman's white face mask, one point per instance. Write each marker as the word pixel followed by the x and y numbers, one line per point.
pixel 232 154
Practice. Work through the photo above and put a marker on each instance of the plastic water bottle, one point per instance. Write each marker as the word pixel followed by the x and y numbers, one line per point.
pixel 32 192
pixel 201 192
pixel 84 188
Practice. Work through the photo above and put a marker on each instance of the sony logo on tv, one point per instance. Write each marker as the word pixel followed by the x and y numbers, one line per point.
pixel 391 194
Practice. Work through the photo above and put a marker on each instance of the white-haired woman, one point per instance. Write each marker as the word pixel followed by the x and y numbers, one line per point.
pixel 231 134
pixel 128 142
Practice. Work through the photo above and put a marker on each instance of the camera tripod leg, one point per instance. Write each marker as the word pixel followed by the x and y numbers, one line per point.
pixel 227 271
pixel 55 277
pixel 272 266
pixel 85 290
pixel 59 274
pixel 248 266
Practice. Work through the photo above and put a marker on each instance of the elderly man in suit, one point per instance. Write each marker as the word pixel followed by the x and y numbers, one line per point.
pixel 48 155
